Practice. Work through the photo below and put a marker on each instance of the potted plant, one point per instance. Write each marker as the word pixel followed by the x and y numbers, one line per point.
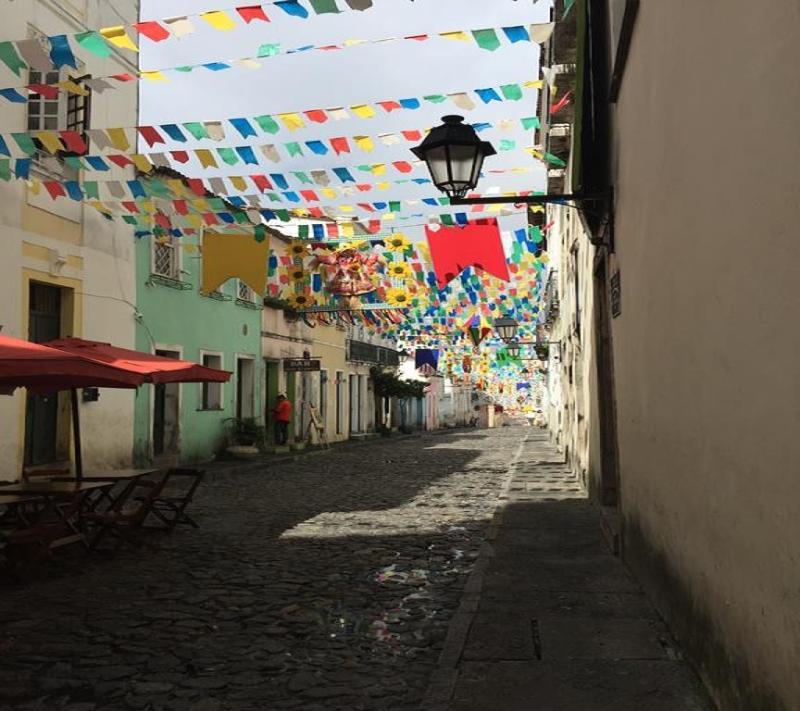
pixel 246 437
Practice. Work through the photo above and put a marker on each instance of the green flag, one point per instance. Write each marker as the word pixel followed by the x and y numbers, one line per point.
pixel 268 124
pixel 9 57
pixel 260 233
pixel 302 177
pixel 436 98
pixel 198 130
pixel 554 160
pixel 25 143
pixel 228 155
pixel 91 189
pixel 486 39
pixel 531 122
pixel 507 145
pixel 512 92
pixel 394 206
pixel 5 170
pixel 95 43
pixel 294 149
pixel 269 50
pixel 322 7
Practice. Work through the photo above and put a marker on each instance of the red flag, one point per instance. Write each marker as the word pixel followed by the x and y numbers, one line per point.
pixel 181 207
pixel 152 30
pixel 555 108
pixel 180 156
pixel 74 142
pixel 453 249
pixel 120 160
pixel 389 106
pixel 412 135
pixel 403 166
pixel 150 135
pixel 45 90
pixel 252 12
pixel 262 182
pixel 196 186
pixel 316 115
pixel 340 145
pixel 55 188
pixel 310 195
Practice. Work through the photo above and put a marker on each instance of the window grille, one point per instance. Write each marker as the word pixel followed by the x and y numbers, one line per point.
pixel 245 293
pixel 165 259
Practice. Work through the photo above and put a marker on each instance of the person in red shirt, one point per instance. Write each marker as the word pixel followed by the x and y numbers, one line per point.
pixel 282 414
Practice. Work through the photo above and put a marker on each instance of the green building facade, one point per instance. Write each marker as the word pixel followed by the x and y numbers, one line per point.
pixel 190 422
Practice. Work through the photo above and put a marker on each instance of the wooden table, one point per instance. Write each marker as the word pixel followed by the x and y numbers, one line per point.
pixel 115 475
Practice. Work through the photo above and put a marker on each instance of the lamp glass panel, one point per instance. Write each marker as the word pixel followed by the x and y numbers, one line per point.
pixel 462 159
pixel 436 158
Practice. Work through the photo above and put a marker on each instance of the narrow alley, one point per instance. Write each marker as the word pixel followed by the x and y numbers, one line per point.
pixel 355 580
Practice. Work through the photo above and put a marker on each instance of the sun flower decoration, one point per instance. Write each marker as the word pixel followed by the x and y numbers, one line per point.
pixel 300 301
pixel 297 274
pixel 399 270
pixel 297 248
pixel 397 243
pixel 398 297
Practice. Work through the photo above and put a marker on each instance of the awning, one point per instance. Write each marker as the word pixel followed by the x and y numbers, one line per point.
pixel 152 368
pixel 31 365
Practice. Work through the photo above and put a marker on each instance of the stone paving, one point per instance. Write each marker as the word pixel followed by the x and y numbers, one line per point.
pixel 325 583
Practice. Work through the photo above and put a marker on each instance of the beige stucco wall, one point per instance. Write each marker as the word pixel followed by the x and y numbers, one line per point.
pixel 37 233
pixel 706 348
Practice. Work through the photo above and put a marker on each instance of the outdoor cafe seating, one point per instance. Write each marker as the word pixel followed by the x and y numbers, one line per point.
pixel 46 510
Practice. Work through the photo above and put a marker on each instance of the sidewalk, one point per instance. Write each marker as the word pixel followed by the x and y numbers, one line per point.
pixel 550 620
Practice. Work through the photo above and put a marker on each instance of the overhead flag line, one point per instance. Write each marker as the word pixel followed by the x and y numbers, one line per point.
pixel 487 39
pixel 122 138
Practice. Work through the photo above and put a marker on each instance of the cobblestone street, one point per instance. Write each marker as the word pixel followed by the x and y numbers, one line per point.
pixel 326 583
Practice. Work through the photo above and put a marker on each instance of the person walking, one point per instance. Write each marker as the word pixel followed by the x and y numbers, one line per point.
pixel 282 414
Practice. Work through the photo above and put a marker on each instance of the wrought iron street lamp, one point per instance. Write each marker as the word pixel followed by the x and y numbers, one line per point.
pixel 507 328
pixel 514 350
pixel 454 155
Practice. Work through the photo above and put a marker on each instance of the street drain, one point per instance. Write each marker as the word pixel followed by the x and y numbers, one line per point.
pixel 536 638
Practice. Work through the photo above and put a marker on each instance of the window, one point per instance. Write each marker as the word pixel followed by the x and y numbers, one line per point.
pixel 66 112
pixel 211 398
pixel 166 262
pixel 244 292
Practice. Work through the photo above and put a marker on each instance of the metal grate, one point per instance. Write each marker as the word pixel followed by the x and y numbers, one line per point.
pixel 165 261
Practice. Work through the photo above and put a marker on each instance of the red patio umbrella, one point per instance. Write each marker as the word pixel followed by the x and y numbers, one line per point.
pixel 42 369
pixel 153 368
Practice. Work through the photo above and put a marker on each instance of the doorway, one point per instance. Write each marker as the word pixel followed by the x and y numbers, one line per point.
pixel 271 383
pixel 41 411
pixel 166 414
pixel 245 388
pixel 355 405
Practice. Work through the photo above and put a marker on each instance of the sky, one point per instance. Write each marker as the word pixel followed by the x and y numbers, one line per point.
pixel 355 75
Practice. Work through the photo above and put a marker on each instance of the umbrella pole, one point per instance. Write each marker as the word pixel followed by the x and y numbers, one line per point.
pixel 76 433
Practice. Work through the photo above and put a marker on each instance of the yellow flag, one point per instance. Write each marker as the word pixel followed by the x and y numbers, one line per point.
pixel 328 192
pixel 194 220
pixel 459 35
pixel 147 206
pixel 118 138
pixel 118 37
pixel 346 229
pixel 238 182
pixel 228 256
pixel 206 158
pixel 218 20
pixel 383 185
pixel 538 84
pixel 50 141
pixel 365 143
pixel 292 121
pixel 346 208
pixel 142 162
pixel 379 169
pixel 154 76
pixel 72 88
pixel 177 187
pixel 363 111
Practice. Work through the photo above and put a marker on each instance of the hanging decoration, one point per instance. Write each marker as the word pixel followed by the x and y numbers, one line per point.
pixel 477 244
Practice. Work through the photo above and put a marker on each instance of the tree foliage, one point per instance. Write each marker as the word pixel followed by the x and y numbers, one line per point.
pixel 388 384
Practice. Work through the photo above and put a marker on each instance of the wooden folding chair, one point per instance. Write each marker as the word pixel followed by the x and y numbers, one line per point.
pixel 124 521
pixel 179 488
pixel 54 525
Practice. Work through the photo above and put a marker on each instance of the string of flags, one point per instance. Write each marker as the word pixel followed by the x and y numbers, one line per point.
pixel 123 138
pixel 55 142
pixel 487 39
pixel 31 54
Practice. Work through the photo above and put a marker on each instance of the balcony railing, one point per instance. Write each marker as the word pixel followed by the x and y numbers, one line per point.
pixel 360 352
